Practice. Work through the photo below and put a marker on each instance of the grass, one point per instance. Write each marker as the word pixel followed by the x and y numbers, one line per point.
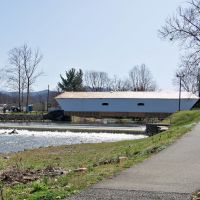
pixel 101 160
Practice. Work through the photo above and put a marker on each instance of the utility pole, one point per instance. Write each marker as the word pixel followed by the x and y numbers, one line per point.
pixel 198 82
pixel 48 99
pixel 179 101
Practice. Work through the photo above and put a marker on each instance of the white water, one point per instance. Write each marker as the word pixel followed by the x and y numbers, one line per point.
pixel 34 139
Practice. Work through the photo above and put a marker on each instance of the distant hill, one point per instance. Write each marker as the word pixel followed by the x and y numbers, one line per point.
pixel 33 94
pixel 40 93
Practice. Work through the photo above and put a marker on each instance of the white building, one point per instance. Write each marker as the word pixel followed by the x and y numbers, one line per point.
pixel 124 103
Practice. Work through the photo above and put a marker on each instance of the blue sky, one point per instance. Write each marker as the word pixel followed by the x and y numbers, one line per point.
pixel 105 35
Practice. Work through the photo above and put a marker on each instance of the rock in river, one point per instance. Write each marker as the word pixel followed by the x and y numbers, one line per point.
pixel 13 132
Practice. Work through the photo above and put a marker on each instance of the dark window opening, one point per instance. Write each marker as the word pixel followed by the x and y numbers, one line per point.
pixel 140 104
pixel 105 104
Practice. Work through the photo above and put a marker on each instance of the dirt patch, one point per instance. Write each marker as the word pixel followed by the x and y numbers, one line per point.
pixel 16 176
pixel 196 196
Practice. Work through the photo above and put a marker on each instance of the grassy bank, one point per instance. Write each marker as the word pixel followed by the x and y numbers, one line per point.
pixel 100 160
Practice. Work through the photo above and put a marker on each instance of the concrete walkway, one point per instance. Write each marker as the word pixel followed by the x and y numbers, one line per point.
pixel 173 174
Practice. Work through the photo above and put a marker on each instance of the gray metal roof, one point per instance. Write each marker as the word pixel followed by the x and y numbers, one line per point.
pixel 126 95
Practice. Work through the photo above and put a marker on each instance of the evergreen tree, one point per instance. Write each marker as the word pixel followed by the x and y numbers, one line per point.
pixel 72 82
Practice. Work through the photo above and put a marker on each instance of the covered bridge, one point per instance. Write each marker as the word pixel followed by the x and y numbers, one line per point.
pixel 124 104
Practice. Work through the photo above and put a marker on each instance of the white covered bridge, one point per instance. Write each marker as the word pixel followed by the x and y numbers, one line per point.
pixel 127 104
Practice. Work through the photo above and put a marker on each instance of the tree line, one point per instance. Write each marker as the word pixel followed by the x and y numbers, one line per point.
pixel 139 79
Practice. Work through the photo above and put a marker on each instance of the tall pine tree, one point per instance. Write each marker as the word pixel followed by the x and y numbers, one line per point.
pixel 73 80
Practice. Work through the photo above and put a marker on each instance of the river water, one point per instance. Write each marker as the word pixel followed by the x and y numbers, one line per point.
pixel 34 139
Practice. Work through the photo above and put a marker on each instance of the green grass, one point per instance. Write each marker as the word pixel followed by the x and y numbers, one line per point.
pixel 101 160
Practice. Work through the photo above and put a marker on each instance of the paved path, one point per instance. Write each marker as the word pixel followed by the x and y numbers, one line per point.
pixel 173 174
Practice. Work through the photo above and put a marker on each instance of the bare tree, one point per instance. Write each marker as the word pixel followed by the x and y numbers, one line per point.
pixel 190 76
pixel 22 70
pixel 30 63
pixel 118 84
pixel 15 72
pixel 3 77
pixel 23 87
pixel 184 28
pixel 97 81
pixel 141 79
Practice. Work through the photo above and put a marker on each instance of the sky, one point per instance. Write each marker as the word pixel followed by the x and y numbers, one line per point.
pixel 102 35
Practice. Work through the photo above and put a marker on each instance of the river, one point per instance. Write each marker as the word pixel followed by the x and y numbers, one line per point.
pixel 26 139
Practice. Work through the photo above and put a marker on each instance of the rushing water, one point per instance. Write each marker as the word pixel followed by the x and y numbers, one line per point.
pixel 35 139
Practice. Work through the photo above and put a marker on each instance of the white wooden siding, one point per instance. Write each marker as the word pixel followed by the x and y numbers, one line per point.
pixel 125 105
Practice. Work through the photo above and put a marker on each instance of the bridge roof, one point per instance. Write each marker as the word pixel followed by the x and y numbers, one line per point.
pixel 126 95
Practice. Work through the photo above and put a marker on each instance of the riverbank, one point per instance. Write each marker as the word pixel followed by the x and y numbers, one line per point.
pixel 85 164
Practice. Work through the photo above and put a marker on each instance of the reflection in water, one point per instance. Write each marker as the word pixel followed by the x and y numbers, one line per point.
pixel 35 139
